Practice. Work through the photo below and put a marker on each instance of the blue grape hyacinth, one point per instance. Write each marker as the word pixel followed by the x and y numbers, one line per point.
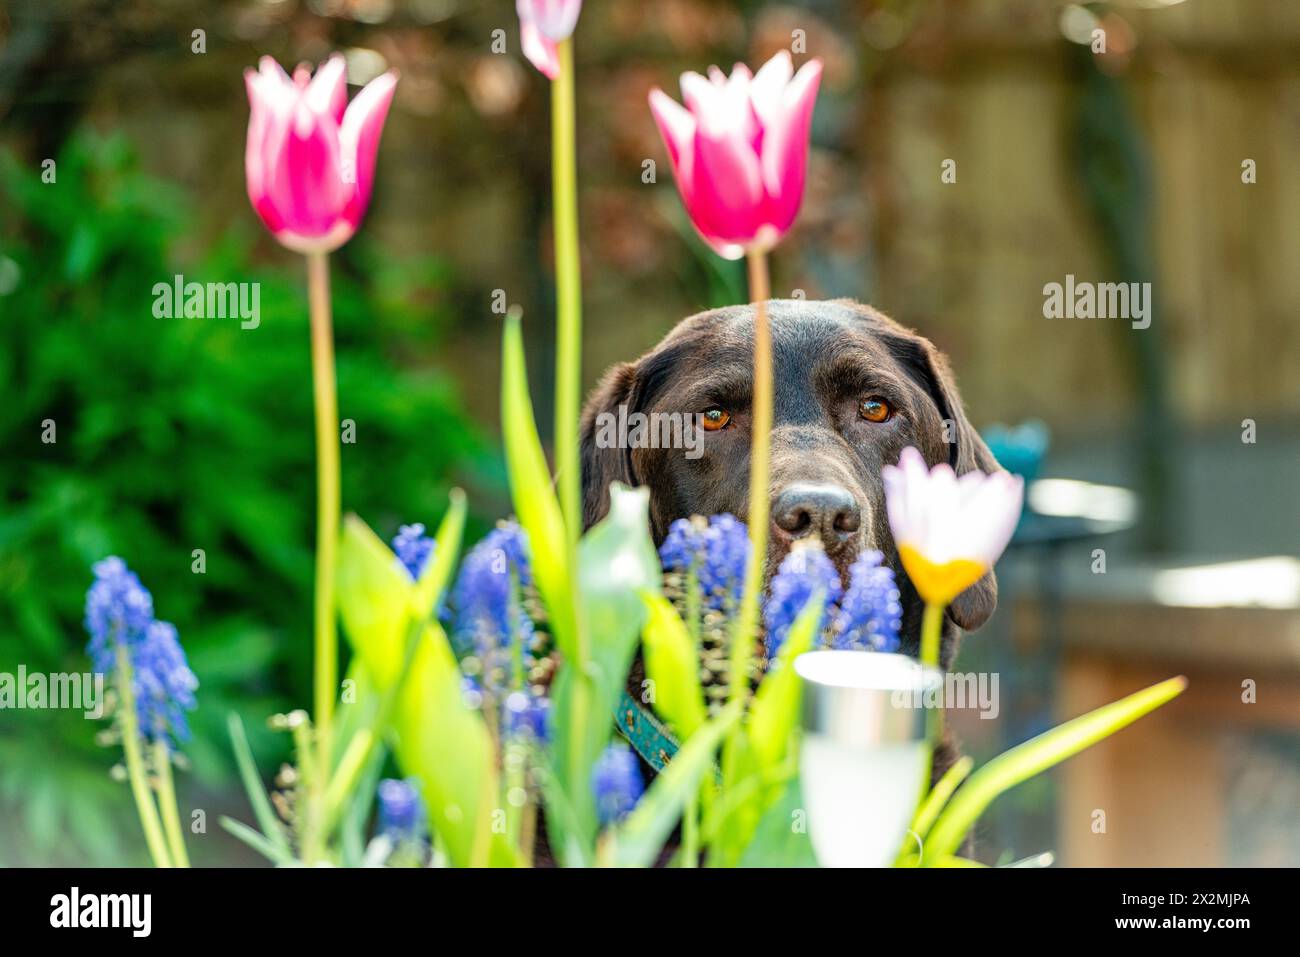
pixel 717 549
pixel 413 549
pixel 617 784
pixel 489 619
pixel 401 810
pixel 164 684
pixel 525 716
pixel 118 611
pixel 803 572
pixel 871 611
pixel 119 614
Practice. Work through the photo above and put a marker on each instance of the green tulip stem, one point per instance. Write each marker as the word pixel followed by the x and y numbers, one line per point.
pixel 743 638
pixel 568 288
pixel 327 501
pixel 931 632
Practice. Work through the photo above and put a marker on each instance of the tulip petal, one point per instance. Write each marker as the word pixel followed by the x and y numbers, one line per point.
pixel 554 19
pixel 702 97
pixel 363 125
pixel 949 528
pixel 742 174
pixel 305 183
pixel 270 68
pixel 726 188
pixel 270 98
pixel 677 127
pixel 327 94
pixel 541 52
pixel 721 105
pixel 768 88
pixel 785 145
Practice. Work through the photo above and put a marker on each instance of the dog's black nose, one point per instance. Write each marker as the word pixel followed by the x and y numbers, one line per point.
pixel 829 512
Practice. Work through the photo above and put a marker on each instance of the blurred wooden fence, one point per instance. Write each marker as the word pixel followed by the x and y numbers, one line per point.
pixel 995 86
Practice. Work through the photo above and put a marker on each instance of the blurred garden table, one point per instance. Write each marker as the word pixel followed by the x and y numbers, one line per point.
pixel 1059 514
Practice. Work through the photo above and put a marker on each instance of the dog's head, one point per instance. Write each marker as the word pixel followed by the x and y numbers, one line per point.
pixel 852 390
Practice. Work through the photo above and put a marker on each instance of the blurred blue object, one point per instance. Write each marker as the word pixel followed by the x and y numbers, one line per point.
pixel 1019 448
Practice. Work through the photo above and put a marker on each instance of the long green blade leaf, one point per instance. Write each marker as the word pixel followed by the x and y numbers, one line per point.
pixel 672 662
pixel 262 810
pixel 536 506
pixel 617 562
pixel 257 842
pixel 436 737
pixel 437 574
pixel 1024 761
pixel 938 797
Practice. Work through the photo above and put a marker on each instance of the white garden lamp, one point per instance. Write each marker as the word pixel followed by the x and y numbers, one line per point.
pixel 866 748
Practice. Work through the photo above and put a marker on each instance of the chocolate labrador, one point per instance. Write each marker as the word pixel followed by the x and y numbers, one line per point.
pixel 853 388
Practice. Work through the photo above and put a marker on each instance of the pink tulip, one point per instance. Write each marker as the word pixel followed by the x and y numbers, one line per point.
pixel 310 160
pixel 739 150
pixel 543 24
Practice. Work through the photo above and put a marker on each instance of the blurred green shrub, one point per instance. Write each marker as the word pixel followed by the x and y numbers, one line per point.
pixel 181 434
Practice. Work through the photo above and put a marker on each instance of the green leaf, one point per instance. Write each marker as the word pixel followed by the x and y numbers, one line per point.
pixel 359 710
pixel 757 760
pixel 438 571
pixel 352 838
pixel 938 797
pixel 733 815
pixel 374 595
pixel 672 662
pixel 536 506
pixel 640 838
pixel 1024 761
pixel 258 842
pixel 617 562
pixel 262 810
pixel 777 842
pixel 436 737
pixel 775 713
pixel 447 745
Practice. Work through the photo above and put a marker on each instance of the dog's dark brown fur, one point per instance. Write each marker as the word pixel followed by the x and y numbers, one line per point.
pixel 825 459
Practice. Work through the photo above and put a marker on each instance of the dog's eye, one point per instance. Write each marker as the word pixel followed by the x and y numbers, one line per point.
pixel 715 419
pixel 875 409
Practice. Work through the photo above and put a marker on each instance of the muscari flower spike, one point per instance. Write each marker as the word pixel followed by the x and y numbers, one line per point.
pixel 617 784
pixel 413 548
pixel 401 810
pixel 119 613
pixel 871 611
pixel 164 684
pixel 525 716
pixel 803 572
pixel 489 619
pixel 717 549
pixel 118 610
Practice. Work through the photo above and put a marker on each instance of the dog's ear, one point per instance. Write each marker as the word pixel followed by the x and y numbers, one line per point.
pixel 966 451
pixel 604 462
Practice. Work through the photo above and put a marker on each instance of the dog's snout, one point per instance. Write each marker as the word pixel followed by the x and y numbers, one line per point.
pixel 828 512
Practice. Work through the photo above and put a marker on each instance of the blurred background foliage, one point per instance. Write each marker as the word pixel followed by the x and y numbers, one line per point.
pixel 192 433
pixel 172 435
